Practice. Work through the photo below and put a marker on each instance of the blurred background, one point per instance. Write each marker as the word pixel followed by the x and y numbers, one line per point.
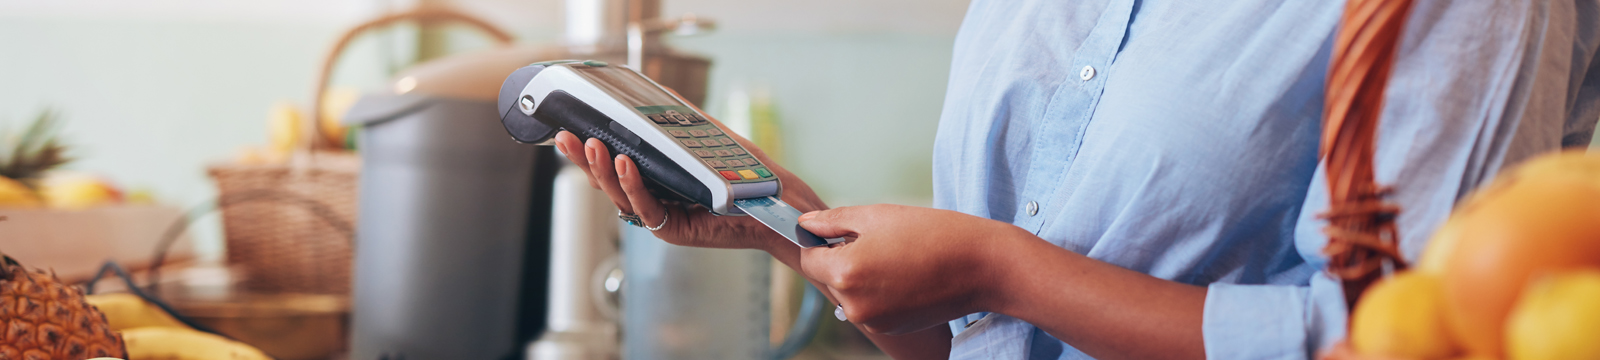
pixel 122 122
pixel 151 91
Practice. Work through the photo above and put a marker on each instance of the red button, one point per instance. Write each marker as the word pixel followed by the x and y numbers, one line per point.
pixel 730 175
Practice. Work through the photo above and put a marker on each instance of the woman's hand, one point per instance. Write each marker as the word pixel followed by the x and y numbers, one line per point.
pixel 912 268
pixel 686 225
pixel 909 268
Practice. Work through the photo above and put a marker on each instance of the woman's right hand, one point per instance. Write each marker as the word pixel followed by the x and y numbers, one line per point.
pixel 686 224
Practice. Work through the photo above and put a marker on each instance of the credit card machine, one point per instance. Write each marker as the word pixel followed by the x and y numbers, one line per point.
pixel 684 156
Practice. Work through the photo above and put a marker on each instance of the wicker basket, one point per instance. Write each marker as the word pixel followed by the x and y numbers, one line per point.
pixel 288 243
pixel 1363 240
pixel 289 227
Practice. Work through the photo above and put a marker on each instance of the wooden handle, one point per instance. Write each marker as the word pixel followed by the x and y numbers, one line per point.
pixel 1361 231
pixel 422 14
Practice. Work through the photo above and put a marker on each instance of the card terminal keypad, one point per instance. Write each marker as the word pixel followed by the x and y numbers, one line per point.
pixel 711 144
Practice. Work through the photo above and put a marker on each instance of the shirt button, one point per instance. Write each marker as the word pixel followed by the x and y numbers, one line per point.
pixel 1033 208
pixel 1087 73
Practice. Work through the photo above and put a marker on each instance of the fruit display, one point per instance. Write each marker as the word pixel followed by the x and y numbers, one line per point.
pixel 27 177
pixel 128 311
pixel 168 343
pixel 151 333
pixel 1557 319
pixel 335 103
pixel 15 194
pixel 288 131
pixel 44 318
pixel 25 157
pixel 73 191
pixel 1513 274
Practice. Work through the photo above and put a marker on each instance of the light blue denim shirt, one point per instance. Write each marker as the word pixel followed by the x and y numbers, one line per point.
pixel 1179 139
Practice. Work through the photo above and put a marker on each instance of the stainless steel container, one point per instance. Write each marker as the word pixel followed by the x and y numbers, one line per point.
pixel 447 222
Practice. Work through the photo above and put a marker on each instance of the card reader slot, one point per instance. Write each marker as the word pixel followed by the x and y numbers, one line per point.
pixel 560 109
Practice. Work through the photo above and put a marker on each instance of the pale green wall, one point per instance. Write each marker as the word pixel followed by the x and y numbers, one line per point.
pixel 859 112
pixel 150 102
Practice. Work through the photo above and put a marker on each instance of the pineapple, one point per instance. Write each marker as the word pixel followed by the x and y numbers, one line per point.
pixel 42 318
pixel 25 157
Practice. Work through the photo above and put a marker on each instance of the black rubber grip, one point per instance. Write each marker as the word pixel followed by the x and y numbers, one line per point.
pixel 560 109
pixel 522 128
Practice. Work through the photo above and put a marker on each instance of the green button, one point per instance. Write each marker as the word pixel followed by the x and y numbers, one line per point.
pixel 763 172
pixel 595 63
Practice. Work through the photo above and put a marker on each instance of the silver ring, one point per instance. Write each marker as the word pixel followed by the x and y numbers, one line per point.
pixel 631 219
pixel 658 226
pixel 838 312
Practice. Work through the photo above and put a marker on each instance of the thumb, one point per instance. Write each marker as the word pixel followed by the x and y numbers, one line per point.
pixel 822 264
pixel 832 223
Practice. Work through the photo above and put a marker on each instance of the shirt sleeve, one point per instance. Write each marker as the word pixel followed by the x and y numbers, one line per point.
pixel 1478 86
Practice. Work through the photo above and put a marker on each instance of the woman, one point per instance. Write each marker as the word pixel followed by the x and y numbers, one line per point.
pixel 1139 179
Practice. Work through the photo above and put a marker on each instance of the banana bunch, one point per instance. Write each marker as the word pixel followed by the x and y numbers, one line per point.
pixel 165 343
pixel 127 311
pixel 151 334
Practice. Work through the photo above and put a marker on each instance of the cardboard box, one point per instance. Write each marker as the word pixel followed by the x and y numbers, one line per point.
pixel 75 243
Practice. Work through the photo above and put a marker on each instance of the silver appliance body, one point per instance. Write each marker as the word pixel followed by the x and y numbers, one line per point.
pixel 585 276
pixel 442 235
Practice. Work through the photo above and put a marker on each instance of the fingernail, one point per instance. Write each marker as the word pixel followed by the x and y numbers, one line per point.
pixel 807 216
pixel 622 169
pixel 588 154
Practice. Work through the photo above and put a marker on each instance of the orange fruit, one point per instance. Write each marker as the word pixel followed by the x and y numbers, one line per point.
pixel 1536 219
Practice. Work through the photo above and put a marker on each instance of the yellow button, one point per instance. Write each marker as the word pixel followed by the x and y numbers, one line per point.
pixel 747 174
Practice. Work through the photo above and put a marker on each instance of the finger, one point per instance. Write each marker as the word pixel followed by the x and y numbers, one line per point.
pixel 828 266
pixel 644 204
pixel 573 149
pixel 835 223
pixel 600 169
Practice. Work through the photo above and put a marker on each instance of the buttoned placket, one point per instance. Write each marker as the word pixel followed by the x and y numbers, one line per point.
pixel 1069 111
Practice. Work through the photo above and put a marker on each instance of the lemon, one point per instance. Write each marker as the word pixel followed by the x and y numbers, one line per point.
pixel 335 103
pixel 1558 317
pixel 14 194
pixel 77 192
pixel 285 128
pixel 1401 317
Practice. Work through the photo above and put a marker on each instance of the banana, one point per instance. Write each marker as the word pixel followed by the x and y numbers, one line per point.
pixel 127 311
pixel 165 343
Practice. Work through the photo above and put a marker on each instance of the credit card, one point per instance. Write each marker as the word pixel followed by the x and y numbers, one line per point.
pixel 782 218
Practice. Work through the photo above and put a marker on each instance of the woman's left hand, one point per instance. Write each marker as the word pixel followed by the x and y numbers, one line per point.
pixel 909 268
